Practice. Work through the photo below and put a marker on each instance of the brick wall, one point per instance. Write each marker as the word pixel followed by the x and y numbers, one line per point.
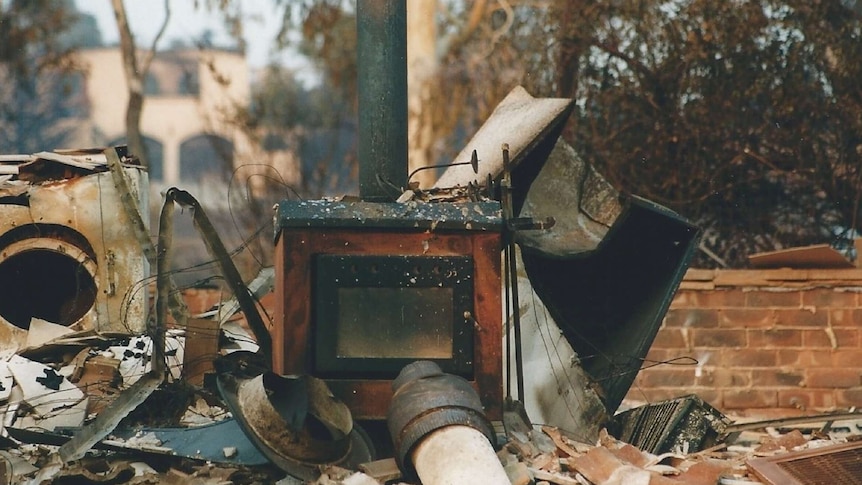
pixel 761 339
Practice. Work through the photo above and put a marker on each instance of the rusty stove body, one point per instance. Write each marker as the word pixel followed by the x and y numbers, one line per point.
pixel 364 288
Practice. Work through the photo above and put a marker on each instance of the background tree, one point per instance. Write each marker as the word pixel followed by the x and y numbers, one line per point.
pixel 741 116
pixel 135 70
pixel 41 85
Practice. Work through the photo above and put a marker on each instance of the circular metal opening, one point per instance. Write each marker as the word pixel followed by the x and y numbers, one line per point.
pixel 47 279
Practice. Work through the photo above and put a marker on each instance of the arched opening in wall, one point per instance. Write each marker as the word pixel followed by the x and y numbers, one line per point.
pixel 152 86
pixel 47 272
pixel 155 155
pixel 189 84
pixel 206 157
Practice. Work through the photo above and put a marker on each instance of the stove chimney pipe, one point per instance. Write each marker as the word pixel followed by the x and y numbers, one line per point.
pixel 381 27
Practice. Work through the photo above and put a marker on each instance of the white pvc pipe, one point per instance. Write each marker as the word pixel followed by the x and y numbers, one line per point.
pixel 458 455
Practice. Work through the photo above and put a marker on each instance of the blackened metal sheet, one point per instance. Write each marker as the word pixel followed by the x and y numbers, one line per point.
pixel 685 423
pixel 610 302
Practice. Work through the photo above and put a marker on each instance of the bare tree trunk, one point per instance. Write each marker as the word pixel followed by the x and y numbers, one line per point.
pixel 135 74
pixel 421 68
pixel 425 49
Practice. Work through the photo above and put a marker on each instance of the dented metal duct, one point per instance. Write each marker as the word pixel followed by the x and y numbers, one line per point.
pixel 610 265
pixel 68 255
pixel 439 430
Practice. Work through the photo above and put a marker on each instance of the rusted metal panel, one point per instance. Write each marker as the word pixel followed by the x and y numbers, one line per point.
pixel 138 392
pixel 816 256
pixel 67 254
pixel 201 349
pixel 610 302
pixel 839 464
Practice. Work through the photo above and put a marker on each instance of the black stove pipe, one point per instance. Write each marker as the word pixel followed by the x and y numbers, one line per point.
pixel 381 27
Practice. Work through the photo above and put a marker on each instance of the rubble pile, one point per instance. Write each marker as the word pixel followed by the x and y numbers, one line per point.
pixel 611 461
pixel 184 433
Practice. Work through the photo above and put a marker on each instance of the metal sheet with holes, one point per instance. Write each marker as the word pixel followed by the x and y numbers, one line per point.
pixel 836 465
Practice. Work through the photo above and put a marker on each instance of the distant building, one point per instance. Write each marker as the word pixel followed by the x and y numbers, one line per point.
pixel 190 97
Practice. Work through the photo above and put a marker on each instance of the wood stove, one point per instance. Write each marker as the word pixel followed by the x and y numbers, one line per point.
pixel 364 288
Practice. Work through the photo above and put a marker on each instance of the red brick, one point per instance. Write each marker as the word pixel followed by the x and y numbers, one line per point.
pixel 697 391
pixel 816 339
pixel 665 377
pixel 847 398
pixel 807 399
pixel 795 398
pixel 855 319
pixel 743 353
pixel 766 298
pixel 801 318
pixel 803 358
pixel 656 355
pixel 722 298
pixel 833 298
pixel 719 377
pixel 824 399
pixel 683 299
pixel 841 318
pixel 704 473
pixel 691 318
pixel 844 338
pixel 710 396
pixel 735 358
pixel 655 395
pixel 848 337
pixel 773 337
pixel 776 378
pixel 707 337
pixel 846 358
pixel 749 398
pixel 669 338
pixel 836 378
pixel 746 317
